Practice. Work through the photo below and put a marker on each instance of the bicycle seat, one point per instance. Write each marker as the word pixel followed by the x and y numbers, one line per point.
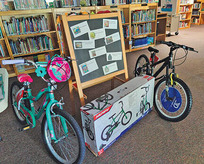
pixel 24 78
pixel 151 49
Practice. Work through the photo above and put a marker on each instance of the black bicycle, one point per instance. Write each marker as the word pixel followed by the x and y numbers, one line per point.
pixel 172 97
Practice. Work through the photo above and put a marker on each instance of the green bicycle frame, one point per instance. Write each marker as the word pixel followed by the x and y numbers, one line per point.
pixel 46 105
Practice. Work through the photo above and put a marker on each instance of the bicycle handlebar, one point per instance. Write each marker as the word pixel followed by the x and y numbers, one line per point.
pixel 172 44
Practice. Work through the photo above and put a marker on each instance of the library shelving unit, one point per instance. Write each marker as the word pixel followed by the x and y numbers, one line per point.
pixel 185 11
pixel 161 27
pixel 202 12
pixel 196 13
pixel 20 36
pixel 142 19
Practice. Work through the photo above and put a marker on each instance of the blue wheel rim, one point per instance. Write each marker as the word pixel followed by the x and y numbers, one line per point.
pixel 175 104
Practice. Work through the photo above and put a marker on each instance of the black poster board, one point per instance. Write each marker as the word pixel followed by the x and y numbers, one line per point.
pixel 82 55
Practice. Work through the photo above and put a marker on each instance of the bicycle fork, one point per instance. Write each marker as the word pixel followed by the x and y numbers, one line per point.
pixel 49 111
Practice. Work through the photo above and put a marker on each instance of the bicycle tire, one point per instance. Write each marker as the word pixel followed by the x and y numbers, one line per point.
pixel 107 136
pixel 142 65
pixel 60 151
pixel 128 120
pixel 15 87
pixel 180 107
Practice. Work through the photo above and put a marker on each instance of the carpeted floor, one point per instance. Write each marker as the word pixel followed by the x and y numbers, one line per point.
pixel 152 140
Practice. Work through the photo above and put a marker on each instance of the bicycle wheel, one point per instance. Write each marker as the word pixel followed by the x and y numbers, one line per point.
pixel 69 148
pixel 106 133
pixel 15 89
pixel 126 118
pixel 179 106
pixel 142 65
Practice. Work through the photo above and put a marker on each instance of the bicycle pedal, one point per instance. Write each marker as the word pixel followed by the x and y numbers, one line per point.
pixel 24 128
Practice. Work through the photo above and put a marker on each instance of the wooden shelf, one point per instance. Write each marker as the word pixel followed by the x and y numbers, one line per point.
pixel 31 34
pixel 141 48
pixel 5 58
pixel 143 35
pixel 25 12
pixel 125 23
pixel 33 53
pixel 184 27
pixel 184 20
pixel 143 22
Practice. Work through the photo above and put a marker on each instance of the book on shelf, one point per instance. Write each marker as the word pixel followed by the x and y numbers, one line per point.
pixel 29 4
pixel 1 34
pixel 4 5
pixel 143 15
pixel 26 25
pixel 126 31
pixel 31 45
pixel 2 54
pixel 69 3
pixel 141 29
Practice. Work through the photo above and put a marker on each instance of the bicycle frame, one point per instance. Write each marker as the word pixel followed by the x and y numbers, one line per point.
pixel 167 62
pixel 48 106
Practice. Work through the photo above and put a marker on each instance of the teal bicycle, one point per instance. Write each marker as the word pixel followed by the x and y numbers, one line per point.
pixel 61 133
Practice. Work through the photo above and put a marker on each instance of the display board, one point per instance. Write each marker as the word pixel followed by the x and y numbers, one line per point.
pixel 96 44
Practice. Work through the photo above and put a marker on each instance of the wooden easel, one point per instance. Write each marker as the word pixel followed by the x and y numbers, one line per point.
pixel 82 85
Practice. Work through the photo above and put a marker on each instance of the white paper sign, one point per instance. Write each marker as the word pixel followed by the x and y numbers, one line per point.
pixel 97 52
pixel 114 56
pixel 80 29
pixel 88 67
pixel 84 44
pixel 97 34
pixel 110 24
pixel 110 68
pixel 112 38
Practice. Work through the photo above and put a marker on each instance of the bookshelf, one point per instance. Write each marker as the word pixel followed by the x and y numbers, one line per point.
pixel 143 21
pixel 28 34
pixel 185 10
pixel 195 19
pixel 202 12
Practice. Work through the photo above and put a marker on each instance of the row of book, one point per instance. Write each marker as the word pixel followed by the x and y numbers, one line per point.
pixel 35 58
pixel 122 16
pixel 195 20
pixel 143 15
pixel 4 5
pixel 141 29
pixel 140 42
pixel 2 54
pixel 29 4
pixel 183 16
pixel 195 12
pixel 31 45
pixel 126 31
pixel 183 24
pixel 69 3
pixel 185 1
pixel 184 9
pixel 196 5
pixel 17 26
pixel 117 2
